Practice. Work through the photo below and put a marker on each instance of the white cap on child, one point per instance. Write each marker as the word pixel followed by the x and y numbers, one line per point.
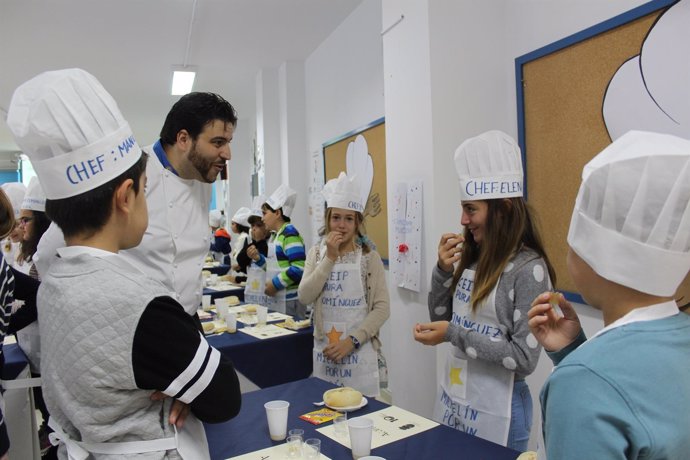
pixel 343 192
pixel 489 166
pixel 34 199
pixel 256 205
pixel 15 191
pixel 631 221
pixel 216 218
pixel 72 130
pixel 284 197
pixel 242 216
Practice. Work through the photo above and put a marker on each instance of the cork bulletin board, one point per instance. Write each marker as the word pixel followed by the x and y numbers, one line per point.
pixel 560 90
pixel 334 161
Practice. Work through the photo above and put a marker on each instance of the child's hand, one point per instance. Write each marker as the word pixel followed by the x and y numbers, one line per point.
pixel 449 250
pixel 551 330
pixel 339 350
pixel 333 241
pixel 270 289
pixel 178 411
pixel 430 333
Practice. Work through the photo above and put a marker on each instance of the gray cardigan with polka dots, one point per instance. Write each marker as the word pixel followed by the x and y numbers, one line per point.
pixel 524 278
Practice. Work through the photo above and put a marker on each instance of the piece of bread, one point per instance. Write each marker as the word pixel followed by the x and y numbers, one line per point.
pixel 342 397
pixel 208 326
pixel 529 455
pixel 234 300
pixel 251 308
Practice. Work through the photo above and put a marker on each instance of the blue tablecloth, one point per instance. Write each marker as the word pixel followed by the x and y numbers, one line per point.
pixel 248 431
pixel 238 291
pixel 15 361
pixel 268 362
pixel 221 269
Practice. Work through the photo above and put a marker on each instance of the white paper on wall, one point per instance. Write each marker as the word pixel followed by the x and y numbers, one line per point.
pixel 316 201
pixel 407 237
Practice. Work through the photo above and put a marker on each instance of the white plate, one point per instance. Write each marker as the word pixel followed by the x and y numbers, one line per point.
pixel 361 404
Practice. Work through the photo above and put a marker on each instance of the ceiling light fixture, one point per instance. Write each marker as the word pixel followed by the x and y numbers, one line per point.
pixel 184 75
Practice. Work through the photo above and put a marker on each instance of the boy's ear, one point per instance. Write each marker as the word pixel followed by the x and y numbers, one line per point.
pixel 122 196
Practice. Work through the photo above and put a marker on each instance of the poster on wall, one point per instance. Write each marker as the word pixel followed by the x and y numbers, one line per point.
pixel 407 235
pixel 316 201
pixel 362 152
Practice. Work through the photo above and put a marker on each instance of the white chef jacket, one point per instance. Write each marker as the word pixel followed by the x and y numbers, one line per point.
pixel 176 241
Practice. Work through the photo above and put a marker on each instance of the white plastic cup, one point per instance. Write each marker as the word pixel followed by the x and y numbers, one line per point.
pixel 312 449
pixel 231 322
pixel 261 315
pixel 340 425
pixel 223 311
pixel 360 436
pixel 213 279
pixel 206 302
pixel 222 302
pixel 277 415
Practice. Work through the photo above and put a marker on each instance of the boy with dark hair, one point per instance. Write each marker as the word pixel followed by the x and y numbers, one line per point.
pixel 114 342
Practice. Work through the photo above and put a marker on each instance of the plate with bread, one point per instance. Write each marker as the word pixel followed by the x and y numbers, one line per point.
pixel 344 399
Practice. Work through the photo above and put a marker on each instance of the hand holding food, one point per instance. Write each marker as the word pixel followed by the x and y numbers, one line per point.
pixel 449 250
pixel 550 329
pixel 333 242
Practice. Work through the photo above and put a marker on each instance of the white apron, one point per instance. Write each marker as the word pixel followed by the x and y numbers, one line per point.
pixel 344 308
pixel 190 443
pixel 475 395
pixel 254 290
pixel 277 302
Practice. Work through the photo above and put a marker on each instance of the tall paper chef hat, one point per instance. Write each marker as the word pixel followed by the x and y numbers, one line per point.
pixel 631 221
pixel 72 130
pixel 284 197
pixel 216 218
pixel 343 192
pixel 489 166
pixel 15 191
pixel 34 199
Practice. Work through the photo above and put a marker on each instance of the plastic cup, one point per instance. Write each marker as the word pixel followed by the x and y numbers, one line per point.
pixel 294 446
pixel 296 432
pixel 213 279
pixel 231 322
pixel 277 415
pixel 311 449
pixel 261 315
pixel 340 425
pixel 206 302
pixel 360 436
pixel 223 311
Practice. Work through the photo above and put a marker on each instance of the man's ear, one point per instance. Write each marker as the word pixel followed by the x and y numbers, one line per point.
pixel 124 196
pixel 183 138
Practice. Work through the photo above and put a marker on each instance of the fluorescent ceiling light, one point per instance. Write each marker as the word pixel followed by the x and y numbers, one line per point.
pixel 182 82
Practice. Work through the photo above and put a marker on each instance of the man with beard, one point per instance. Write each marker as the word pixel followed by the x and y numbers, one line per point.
pixel 193 148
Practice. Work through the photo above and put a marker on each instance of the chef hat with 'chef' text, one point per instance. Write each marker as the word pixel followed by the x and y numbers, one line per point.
pixel 241 216
pixel 343 192
pixel 34 199
pixel 284 197
pixel 631 221
pixel 72 131
pixel 489 166
pixel 15 191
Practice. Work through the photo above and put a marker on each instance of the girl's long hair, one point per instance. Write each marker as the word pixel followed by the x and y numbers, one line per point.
pixel 509 226
pixel 360 233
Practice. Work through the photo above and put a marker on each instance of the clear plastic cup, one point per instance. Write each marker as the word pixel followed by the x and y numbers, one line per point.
pixel 311 449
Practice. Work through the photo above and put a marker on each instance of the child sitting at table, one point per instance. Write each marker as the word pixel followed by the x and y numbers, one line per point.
pixel 345 279
pixel 621 393
pixel 257 247
pixel 285 261
pixel 123 364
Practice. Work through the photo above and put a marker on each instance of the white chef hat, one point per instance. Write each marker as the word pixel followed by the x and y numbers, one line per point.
pixel 257 202
pixel 284 197
pixel 343 192
pixel 216 218
pixel 489 166
pixel 72 130
pixel 631 221
pixel 35 198
pixel 15 191
pixel 242 216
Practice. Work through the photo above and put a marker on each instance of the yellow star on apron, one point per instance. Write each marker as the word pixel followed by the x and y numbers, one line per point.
pixel 455 376
pixel 333 335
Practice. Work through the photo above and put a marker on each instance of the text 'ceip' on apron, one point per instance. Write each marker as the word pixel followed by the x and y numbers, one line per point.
pixel 189 442
pixel 344 308
pixel 475 395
